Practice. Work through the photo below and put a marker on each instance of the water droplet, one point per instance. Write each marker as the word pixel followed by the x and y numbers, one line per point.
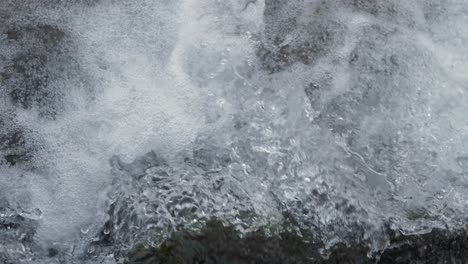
pixel 37 212
pixel 91 249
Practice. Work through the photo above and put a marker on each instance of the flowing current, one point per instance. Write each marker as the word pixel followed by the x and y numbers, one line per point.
pixel 124 121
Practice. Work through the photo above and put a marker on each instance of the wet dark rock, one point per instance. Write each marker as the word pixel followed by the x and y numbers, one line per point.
pixel 47 36
pixel 279 55
pixel 340 114
pixel 434 11
pixel 217 243
pixel 52 252
pixel 16 233
pixel 34 57
pixel 312 92
pixel 208 158
pixel 238 125
pixel 14 145
pixel 287 41
pixel 138 167
pixel 16 227
pixel 27 76
pixel 438 246
pixel 120 215
pixel 11 146
pixel 104 237
pixel 371 86
pixel 9 226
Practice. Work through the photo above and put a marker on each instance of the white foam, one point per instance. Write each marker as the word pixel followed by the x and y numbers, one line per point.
pixel 141 98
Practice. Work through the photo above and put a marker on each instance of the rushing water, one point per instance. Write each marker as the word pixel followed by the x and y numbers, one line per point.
pixel 123 121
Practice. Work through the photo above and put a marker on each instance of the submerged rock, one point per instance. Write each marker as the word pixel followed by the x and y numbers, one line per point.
pixel 26 76
pixel 289 39
pixel 14 145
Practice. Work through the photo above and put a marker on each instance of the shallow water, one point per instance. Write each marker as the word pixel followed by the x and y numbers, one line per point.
pixel 121 123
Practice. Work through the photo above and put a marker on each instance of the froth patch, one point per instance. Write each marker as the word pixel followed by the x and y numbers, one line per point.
pixel 140 98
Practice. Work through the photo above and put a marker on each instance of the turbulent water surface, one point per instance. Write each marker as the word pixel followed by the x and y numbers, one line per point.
pixel 124 121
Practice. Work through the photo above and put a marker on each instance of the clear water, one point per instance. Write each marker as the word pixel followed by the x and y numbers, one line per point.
pixel 158 115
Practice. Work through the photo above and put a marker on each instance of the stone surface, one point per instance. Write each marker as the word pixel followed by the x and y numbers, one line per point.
pixel 216 243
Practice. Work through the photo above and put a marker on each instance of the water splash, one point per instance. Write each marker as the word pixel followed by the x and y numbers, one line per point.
pixel 347 114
